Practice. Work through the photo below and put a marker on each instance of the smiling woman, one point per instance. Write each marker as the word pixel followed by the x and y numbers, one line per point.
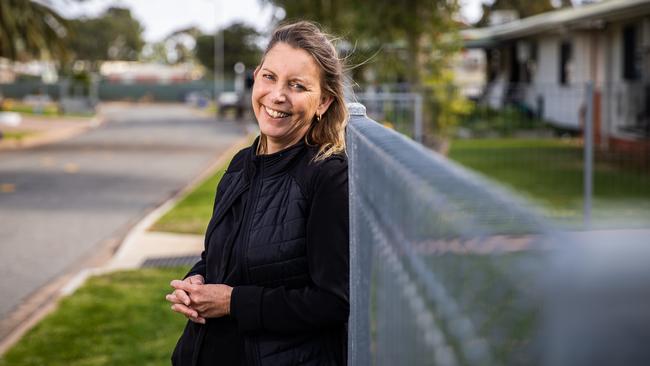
pixel 287 95
pixel 271 287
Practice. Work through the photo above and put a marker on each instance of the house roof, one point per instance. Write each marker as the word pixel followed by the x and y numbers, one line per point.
pixel 585 16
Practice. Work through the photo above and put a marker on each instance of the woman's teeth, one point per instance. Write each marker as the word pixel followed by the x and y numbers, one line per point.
pixel 275 114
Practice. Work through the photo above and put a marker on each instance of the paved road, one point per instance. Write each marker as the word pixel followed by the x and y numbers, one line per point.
pixel 59 203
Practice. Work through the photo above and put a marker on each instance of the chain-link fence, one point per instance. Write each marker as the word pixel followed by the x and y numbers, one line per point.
pixel 449 269
pixel 582 151
pixel 399 111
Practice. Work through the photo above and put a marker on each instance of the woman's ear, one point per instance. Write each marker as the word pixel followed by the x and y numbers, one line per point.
pixel 325 102
pixel 257 69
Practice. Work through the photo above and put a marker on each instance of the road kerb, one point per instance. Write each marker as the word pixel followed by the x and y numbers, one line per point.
pixel 44 300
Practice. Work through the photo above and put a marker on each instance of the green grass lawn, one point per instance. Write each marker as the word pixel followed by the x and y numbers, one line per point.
pixel 117 319
pixel 16 135
pixel 550 172
pixel 192 214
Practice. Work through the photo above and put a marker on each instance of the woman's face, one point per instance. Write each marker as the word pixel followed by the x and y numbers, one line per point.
pixel 287 95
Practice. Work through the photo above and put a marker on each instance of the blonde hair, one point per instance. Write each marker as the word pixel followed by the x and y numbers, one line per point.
pixel 328 133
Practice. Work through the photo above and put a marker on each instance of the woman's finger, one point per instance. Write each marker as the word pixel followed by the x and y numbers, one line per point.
pixel 196 280
pixel 185 286
pixel 172 298
pixel 182 296
pixel 198 319
pixel 187 311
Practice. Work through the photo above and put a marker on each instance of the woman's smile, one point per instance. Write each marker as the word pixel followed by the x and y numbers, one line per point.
pixel 275 114
pixel 286 95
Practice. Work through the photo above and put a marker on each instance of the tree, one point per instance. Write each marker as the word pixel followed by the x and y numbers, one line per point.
pixel 177 47
pixel 239 45
pixel 413 39
pixel 409 41
pixel 115 35
pixel 31 30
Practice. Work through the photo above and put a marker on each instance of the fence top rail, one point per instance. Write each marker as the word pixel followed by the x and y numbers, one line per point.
pixel 389 96
pixel 454 182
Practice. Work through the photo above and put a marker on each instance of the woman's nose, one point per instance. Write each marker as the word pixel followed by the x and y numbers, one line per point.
pixel 278 95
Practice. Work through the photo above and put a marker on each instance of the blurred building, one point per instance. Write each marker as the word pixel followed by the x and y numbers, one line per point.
pixel 128 72
pixel 10 71
pixel 469 72
pixel 544 62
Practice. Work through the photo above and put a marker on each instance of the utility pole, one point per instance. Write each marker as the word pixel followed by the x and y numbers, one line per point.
pixel 218 56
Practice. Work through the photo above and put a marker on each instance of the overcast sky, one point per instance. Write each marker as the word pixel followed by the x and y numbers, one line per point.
pixel 161 17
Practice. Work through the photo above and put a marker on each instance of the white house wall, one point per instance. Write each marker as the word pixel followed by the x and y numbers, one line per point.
pixel 548 55
pixel 623 101
pixel 597 56
pixel 561 103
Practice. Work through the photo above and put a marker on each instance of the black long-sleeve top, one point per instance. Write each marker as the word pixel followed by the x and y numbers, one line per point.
pixel 279 237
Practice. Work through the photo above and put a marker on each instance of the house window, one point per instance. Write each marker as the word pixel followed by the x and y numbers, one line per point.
pixel 631 59
pixel 493 61
pixel 515 73
pixel 565 62
pixel 530 63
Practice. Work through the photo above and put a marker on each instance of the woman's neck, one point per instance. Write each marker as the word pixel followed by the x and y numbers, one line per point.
pixel 274 145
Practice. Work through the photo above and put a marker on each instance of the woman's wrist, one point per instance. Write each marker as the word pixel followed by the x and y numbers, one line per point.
pixel 228 299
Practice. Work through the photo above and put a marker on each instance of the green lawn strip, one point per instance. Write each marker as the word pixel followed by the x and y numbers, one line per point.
pixel 16 135
pixel 120 318
pixel 49 109
pixel 550 171
pixel 192 213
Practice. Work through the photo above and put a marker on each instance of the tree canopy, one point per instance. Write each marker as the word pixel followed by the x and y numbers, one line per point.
pixel 411 39
pixel 177 47
pixel 114 35
pixel 31 30
pixel 410 42
pixel 239 45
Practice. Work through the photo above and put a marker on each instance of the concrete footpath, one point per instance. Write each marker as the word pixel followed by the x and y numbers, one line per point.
pixel 40 130
pixel 137 246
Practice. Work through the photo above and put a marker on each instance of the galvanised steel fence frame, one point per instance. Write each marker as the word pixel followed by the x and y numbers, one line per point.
pixel 448 268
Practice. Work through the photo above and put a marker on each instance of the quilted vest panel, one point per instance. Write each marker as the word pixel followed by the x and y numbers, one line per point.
pixel 276 250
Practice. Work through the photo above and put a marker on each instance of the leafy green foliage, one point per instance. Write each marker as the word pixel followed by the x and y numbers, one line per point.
pixel 449 106
pixel 406 42
pixel 484 121
pixel 116 319
pixel 410 36
pixel 29 29
pixel 177 47
pixel 239 45
pixel 114 35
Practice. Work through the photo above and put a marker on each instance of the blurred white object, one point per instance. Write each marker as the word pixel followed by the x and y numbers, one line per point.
pixel 228 99
pixel 10 118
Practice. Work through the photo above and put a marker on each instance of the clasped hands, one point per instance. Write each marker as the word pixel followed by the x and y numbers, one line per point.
pixel 198 301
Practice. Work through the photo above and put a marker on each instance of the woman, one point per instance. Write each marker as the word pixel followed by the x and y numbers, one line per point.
pixel 271 287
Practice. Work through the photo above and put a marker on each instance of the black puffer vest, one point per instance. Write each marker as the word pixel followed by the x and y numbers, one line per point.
pixel 292 304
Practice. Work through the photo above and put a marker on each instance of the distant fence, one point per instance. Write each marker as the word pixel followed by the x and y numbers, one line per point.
pixel 400 111
pixel 107 91
pixel 155 92
pixel 449 269
pixel 590 142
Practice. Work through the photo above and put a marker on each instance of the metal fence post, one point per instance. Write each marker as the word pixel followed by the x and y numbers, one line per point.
pixel 359 322
pixel 417 133
pixel 588 136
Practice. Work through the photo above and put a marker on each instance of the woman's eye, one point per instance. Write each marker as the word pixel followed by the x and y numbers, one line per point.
pixel 268 76
pixel 297 86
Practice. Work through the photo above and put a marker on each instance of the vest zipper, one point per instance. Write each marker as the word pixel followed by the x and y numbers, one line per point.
pixel 251 204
